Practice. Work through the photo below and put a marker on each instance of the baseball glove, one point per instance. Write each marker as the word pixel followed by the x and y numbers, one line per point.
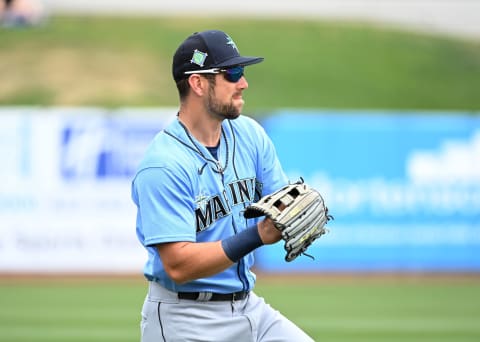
pixel 298 211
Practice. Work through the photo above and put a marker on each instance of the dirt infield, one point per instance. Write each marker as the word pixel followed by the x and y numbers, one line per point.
pixel 266 278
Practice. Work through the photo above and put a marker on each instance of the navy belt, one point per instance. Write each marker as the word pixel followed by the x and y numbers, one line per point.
pixel 215 297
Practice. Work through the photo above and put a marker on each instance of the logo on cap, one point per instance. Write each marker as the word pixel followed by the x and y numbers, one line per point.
pixel 198 57
pixel 231 42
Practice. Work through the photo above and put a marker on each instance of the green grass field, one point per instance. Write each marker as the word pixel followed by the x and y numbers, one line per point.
pixel 344 309
pixel 117 62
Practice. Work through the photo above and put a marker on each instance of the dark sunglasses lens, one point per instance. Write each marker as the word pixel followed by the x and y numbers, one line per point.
pixel 234 74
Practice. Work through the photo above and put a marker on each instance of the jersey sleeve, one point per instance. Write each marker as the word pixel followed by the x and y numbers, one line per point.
pixel 269 170
pixel 164 205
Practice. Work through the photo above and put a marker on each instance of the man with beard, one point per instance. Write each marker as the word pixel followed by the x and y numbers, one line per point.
pixel 197 177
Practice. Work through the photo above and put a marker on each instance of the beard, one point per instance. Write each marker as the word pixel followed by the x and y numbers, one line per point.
pixel 221 110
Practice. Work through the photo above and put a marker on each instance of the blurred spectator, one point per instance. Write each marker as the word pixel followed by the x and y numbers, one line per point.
pixel 18 13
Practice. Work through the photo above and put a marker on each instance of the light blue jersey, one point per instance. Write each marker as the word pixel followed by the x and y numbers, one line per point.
pixel 184 194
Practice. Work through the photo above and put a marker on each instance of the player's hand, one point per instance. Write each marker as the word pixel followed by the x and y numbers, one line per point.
pixel 268 233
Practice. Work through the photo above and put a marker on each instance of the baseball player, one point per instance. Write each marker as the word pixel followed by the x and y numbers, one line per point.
pixel 197 177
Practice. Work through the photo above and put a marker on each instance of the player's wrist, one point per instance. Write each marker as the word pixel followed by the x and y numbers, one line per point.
pixel 241 244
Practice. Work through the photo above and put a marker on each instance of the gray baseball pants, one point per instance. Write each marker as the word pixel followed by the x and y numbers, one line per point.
pixel 167 318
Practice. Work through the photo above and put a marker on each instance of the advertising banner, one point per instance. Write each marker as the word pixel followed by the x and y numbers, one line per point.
pixel 65 193
pixel 404 189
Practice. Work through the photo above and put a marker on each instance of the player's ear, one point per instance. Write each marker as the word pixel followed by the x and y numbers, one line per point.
pixel 198 84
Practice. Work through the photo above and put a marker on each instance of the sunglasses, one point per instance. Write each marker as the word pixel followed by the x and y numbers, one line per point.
pixel 233 74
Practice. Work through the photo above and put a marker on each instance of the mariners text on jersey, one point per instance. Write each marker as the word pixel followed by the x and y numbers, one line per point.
pixel 215 207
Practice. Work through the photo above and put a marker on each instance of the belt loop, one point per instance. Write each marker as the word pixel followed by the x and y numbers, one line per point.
pixel 204 296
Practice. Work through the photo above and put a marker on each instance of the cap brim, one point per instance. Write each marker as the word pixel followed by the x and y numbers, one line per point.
pixel 240 60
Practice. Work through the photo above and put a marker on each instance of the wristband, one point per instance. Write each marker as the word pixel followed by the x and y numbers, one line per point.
pixel 239 245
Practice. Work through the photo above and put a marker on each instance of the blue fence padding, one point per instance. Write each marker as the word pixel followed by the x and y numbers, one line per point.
pixel 404 188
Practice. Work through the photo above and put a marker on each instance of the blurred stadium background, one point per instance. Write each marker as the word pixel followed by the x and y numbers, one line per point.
pixel 379 101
